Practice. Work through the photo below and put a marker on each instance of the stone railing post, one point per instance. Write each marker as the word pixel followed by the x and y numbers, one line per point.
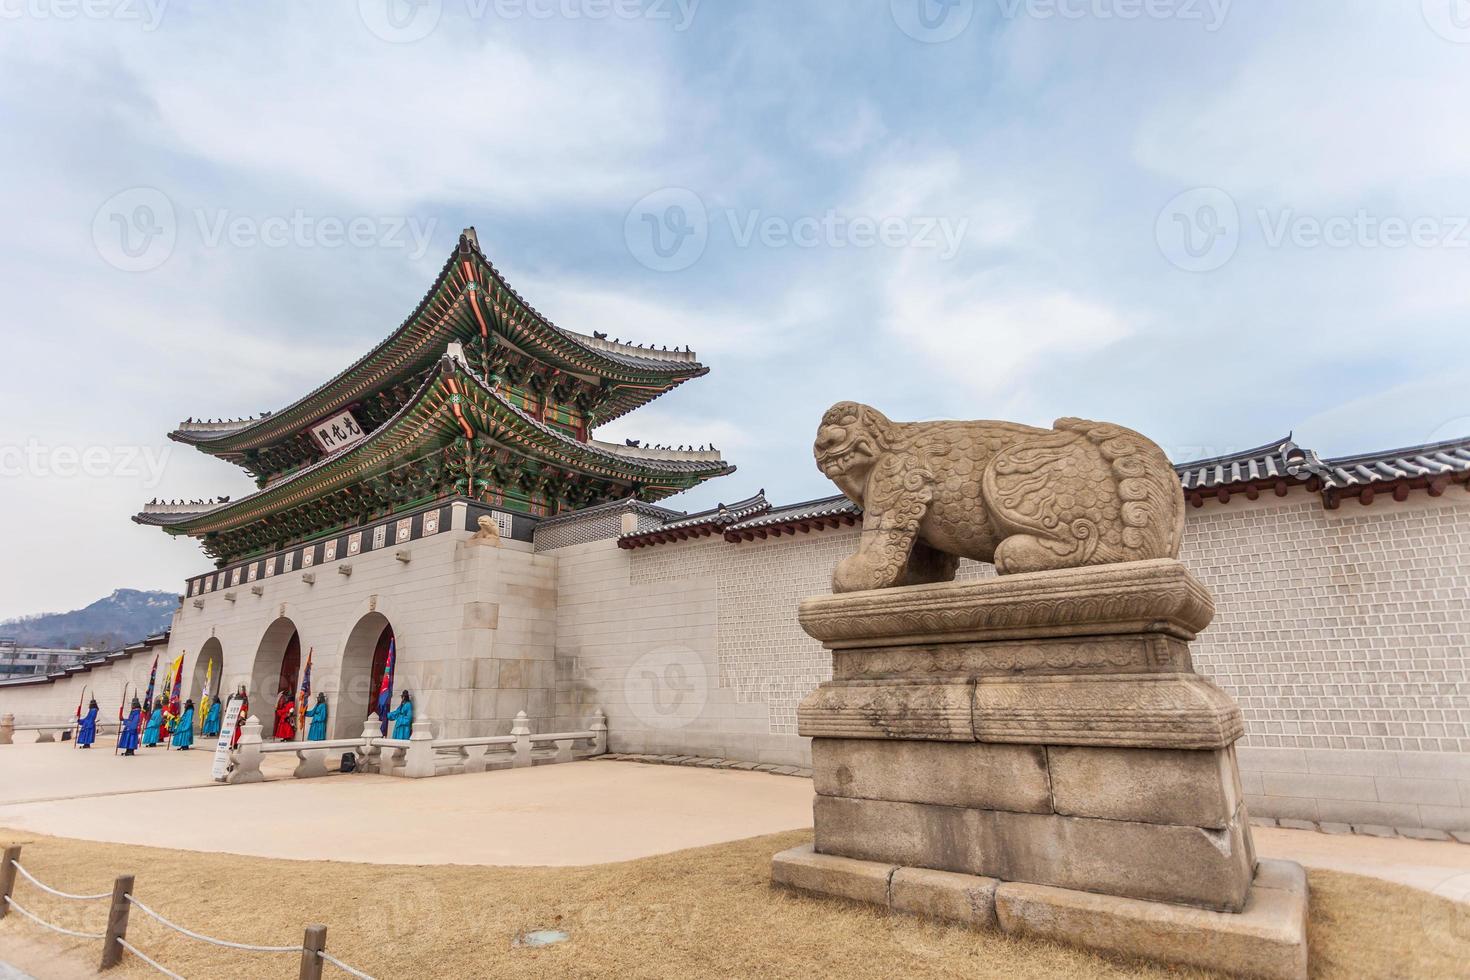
pixel 522 731
pixel 7 876
pixel 599 733
pixel 310 762
pixel 371 728
pixel 7 729
pixel 418 759
pixel 117 921
pixel 247 756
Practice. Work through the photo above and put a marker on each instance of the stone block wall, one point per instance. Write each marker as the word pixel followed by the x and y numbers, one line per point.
pixel 1342 634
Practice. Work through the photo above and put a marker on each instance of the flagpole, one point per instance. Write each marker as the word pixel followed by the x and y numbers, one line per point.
pixel 120 706
pixel 77 719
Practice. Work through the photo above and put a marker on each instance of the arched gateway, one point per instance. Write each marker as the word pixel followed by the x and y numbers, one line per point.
pixel 363 659
pixel 277 666
pixel 211 655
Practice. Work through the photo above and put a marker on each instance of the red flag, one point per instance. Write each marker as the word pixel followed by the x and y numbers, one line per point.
pixel 385 689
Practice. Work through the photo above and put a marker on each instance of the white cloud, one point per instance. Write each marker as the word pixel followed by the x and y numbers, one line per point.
pixel 1341 100
pixel 987 333
pixel 723 325
pixel 308 94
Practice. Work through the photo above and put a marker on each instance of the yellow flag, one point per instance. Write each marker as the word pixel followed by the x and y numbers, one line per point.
pixel 204 698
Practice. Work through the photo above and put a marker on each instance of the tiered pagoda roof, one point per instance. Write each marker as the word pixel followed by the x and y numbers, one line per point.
pixel 476 395
pixel 506 339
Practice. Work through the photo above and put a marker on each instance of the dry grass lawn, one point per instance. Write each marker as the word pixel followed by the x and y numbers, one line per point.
pixel 698 913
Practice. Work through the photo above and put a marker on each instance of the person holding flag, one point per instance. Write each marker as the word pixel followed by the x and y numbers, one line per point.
pixel 87 727
pixel 153 729
pixel 127 733
pixel 318 716
pixel 385 687
pixel 212 718
pixel 148 694
pixel 184 730
pixel 174 691
pixel 302 698
pixel 285 717
pixel 402 717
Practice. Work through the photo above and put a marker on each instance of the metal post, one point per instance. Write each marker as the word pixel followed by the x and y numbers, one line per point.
pixel 117 921
pixel 314 943
pixel 7 877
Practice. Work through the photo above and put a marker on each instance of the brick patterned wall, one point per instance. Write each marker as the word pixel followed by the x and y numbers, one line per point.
pixel 764 655
pixel 1340 629
pixel 1335 629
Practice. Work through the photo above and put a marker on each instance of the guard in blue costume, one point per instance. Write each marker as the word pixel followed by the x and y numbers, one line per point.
pixel 153 732
pixel 127 739
pixel 402 717
pixel 184 730
pixel 87 728
pixel 211 720
pixel 318 715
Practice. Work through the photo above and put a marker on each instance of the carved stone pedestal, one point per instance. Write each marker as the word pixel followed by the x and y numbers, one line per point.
pixel 1045 729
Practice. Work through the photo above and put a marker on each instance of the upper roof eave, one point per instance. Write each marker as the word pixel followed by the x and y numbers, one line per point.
pixel 635 469
pixel 616 360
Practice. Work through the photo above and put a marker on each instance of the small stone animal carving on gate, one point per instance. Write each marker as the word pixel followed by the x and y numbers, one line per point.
pixel 1027 499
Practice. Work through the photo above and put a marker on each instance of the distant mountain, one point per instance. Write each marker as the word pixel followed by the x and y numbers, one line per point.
pixel 124 617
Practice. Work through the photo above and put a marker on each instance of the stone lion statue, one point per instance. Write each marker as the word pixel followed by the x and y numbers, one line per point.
pixel 489 532
pixel 1027 499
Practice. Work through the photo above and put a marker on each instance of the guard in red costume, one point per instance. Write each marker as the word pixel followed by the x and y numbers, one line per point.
pixel 285 717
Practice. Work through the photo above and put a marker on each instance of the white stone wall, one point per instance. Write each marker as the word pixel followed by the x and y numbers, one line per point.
pixel 1342 634
pixel 474 628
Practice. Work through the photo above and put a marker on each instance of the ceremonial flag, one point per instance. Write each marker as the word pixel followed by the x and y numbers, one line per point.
pixel 176 687
pixel 204 698
pixel 305 693
pixel 148 698
pixel 385 689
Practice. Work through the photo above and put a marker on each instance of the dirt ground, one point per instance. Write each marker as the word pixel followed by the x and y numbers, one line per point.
pixel 705 912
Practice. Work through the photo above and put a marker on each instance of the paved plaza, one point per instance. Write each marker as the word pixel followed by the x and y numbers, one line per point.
pixel 575 814
pixel 583 813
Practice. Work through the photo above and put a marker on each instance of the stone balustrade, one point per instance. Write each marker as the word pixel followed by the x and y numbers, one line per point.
pixel 421 755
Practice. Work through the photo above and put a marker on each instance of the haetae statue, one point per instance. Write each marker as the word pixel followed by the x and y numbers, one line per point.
pixel 1024 498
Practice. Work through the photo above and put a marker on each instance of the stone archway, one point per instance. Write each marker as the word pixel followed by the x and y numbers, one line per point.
pixel 277 663
pixel 363 657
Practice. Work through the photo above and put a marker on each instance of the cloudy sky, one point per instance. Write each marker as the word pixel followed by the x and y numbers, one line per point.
pixel 1214 221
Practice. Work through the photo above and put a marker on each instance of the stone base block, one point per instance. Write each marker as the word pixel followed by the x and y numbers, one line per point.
pixel 1267 938
pixel 1156 862
pixel 968 774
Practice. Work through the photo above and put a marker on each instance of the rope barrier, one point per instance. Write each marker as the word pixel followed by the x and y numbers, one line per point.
pixel 227 944
pixel 342 966
pixel 52 891
pixel 148 959
pixel 248 947
pixel 42 922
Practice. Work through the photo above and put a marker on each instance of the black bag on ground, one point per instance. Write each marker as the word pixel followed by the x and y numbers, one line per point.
pixel 349 762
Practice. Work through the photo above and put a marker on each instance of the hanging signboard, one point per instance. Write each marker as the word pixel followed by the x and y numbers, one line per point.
pixel 337 432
